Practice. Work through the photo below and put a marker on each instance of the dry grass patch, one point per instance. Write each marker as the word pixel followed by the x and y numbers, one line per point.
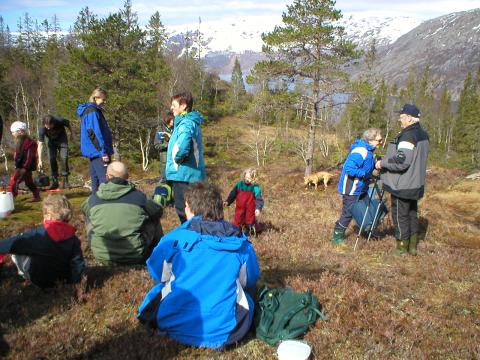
pixel 379 306
pixel 456 211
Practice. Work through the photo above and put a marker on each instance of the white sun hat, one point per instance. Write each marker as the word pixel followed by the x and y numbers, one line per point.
pixel 18 126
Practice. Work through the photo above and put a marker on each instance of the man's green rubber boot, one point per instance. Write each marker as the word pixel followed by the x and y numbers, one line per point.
pixel 402 248
pixel 412 245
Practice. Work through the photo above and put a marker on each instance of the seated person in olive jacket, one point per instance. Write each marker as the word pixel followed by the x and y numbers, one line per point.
pixel 123 225
pixel 51 252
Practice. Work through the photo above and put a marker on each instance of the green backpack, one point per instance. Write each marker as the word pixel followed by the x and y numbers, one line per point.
pixel 285 314
pixel 163 194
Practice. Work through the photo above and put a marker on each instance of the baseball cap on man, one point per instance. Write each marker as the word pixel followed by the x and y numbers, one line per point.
pixel 18 126
pixel 409 109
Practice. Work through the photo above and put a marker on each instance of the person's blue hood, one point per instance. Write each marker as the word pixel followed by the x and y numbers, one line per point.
pixel 361 143
pixel 218 235
pixel 192 115
pixel 82 107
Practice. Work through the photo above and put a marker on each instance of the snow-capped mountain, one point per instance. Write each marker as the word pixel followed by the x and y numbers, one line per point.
pixel 384 30
pixel 449 45
pixel 241 37
pixel 233 34
pixel 240 34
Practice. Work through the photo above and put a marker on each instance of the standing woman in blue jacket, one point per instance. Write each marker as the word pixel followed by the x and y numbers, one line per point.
pixel 356 173
pixel 185 162
pixel 95 136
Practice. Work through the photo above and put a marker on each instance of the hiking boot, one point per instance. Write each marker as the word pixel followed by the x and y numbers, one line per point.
pixel 412 245
pixel 54 185
pixel 402 248
pixel 36 197
pixel 65 183
pixel 251 230
pixel 338 236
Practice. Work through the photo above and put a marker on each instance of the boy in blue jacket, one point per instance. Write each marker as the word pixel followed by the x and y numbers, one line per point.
pixel 354 180
pixel 205 273
pixel 185 164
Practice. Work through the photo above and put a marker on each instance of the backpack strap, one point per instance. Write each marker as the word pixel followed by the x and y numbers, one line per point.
pixel 286 333
pixel 289 315
pixel 294 333
pixel 315 306
pixel 320 314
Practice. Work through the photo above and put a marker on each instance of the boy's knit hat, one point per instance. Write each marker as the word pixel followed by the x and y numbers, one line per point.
pixel 18 126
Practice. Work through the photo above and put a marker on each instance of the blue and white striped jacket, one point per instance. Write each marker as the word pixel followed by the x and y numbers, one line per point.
pixel 204 273
pixel 357 169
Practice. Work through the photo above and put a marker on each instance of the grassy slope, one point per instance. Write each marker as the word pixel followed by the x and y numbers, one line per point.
pixel 379 306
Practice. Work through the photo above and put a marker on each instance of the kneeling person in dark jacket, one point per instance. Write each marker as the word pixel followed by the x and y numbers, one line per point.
pixel 123 225
pixel 51 252
pixel 205 273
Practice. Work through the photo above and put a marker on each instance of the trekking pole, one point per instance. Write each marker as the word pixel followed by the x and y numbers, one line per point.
pixel 377 212
pixel 365 215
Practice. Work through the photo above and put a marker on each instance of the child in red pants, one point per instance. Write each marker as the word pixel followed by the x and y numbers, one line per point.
pixel 25 160
pixel 248 201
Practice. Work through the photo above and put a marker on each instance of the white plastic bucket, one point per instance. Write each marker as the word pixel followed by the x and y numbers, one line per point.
pixel 6 204
pixel 293 350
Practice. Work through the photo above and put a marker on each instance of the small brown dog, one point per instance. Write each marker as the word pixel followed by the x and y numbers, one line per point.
pixel 315 179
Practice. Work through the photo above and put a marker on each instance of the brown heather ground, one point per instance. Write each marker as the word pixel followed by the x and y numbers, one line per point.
pixel 379 306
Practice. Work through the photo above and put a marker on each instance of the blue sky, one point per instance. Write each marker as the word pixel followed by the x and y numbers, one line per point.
pixel 176 15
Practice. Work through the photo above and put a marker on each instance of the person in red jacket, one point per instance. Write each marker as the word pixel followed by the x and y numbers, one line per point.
pixel 25 160
pixel 248 202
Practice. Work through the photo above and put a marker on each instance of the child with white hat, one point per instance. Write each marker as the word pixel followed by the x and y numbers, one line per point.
pixel 25 160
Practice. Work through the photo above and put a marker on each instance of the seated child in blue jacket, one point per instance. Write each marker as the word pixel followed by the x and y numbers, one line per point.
pixel 205 273
pixel 51 252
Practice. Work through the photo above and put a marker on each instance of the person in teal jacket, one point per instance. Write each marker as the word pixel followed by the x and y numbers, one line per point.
pixel 185 162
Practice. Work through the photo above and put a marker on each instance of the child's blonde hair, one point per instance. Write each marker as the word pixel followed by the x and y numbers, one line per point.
pixel 252 172
pixel 98 92
pixel 58 207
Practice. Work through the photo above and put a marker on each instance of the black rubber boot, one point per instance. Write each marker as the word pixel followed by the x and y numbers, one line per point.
pixel 65 183
pixel 54 184
pixel 36 196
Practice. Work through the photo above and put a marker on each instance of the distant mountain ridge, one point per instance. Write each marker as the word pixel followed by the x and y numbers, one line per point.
pixel 361 30
pixel 449 44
